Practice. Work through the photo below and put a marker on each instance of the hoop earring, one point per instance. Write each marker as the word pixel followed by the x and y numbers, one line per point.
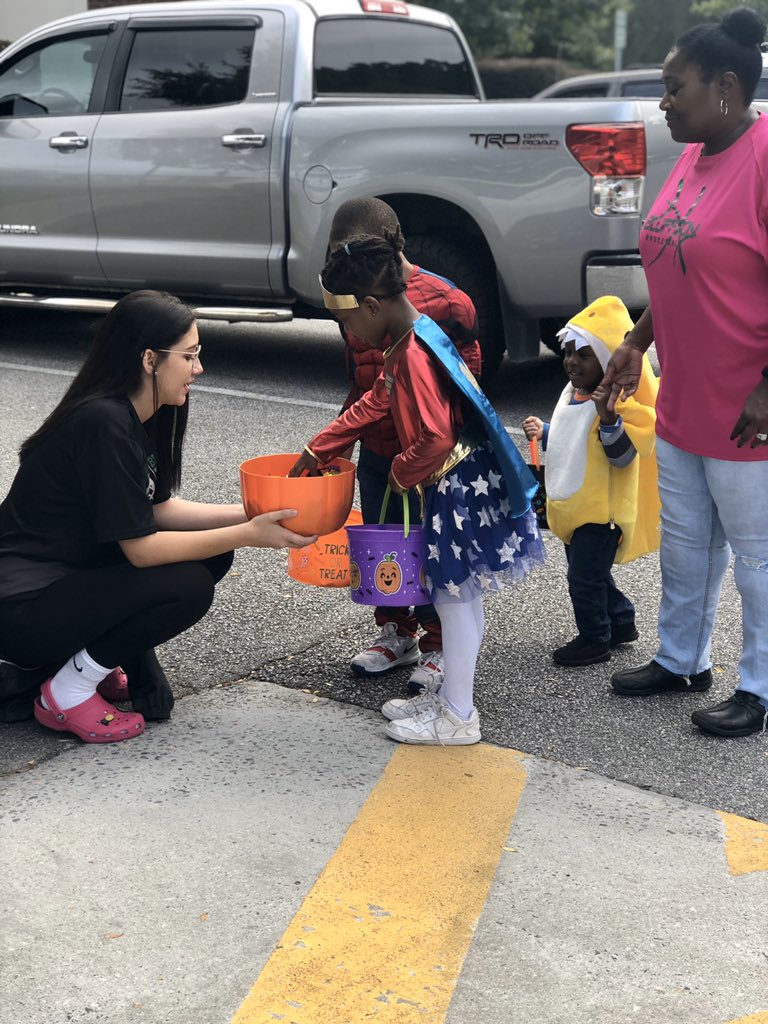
pixel 724 107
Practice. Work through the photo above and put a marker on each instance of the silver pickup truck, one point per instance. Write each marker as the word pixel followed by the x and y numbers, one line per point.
pixel 203 147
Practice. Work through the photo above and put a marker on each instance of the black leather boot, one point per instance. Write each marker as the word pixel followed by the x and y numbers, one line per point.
pixel 148 687
pixel 652 678
pixel 740 715
pixel 623 633
pixel 581 651
pixel 18 689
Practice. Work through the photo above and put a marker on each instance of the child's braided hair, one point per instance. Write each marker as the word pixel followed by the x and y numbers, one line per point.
pixel 366 265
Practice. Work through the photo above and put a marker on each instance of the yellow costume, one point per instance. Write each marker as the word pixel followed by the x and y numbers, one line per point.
pixel 582 485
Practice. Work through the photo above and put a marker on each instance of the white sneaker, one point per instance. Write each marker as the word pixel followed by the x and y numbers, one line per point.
pixel 394 710
pixel 436 726
pixel 428 674
pixel 390 651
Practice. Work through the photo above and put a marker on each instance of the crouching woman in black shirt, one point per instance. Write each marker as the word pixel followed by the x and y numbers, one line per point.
pixel 98 562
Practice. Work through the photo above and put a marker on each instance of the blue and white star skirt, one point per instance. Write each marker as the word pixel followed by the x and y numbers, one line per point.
pixel 474 545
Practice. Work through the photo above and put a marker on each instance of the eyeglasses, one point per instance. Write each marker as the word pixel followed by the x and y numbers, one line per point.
pixel 192 356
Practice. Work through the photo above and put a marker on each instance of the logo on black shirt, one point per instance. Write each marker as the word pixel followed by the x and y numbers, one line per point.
pixel 151 476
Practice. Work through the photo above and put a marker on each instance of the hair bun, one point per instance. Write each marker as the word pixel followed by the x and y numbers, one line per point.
pixel 745 26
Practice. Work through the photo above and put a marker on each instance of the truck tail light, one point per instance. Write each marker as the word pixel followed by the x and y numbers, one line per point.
pixel 614 157
pixel 384 7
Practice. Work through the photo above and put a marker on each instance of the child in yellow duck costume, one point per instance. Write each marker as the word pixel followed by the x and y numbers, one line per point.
pixel 601 480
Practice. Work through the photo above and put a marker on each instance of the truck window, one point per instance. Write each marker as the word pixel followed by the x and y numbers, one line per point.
pixel 54 78
pixel 378 56
pixel 187 67
pixel 652 89
pixel 581 91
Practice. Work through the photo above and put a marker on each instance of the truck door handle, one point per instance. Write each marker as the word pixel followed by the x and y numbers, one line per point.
pixel 243 139
pixel 68 141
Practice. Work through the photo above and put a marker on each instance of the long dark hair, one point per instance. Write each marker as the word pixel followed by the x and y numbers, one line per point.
pixel 113 369
pixel 731 44
pixel 366 266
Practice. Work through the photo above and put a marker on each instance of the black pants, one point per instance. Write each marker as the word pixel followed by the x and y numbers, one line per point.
pixel 598 604
pixel 372 476
pixel 119 614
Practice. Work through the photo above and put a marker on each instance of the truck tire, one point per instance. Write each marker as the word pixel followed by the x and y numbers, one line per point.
pixel 548 329
pixel 474 273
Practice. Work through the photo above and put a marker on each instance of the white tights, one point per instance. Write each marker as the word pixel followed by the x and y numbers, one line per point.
pixel 463 624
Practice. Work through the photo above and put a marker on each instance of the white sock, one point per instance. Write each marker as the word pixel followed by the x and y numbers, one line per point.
pixel 76 681
pixel 461 644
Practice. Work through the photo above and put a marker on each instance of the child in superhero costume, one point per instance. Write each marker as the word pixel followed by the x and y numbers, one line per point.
pixel 481 532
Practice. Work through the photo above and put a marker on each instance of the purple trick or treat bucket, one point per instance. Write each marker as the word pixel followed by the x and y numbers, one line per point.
pixel 388 563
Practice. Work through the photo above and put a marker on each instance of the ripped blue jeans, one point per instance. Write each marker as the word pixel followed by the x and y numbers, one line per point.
pixel 710 509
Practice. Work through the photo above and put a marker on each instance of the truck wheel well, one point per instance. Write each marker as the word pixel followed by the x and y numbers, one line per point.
pixel 444 239
pixel 426 215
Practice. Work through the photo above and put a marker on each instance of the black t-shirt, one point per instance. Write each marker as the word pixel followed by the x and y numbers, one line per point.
pixel 89 483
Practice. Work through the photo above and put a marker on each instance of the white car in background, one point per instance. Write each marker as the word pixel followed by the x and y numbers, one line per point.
pixel 638 83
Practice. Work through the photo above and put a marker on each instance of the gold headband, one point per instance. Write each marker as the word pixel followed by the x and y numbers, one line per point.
pixel 338 301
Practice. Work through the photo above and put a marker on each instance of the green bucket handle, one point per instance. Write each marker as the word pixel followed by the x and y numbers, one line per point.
pixel 406 510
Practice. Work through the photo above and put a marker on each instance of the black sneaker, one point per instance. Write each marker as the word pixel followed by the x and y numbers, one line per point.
pixel 652 678
pixel 740 715
pixel 581 651
pixel 623 633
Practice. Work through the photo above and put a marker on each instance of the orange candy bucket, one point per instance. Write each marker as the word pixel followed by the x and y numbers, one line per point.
pixel 323 502
pixel 326 563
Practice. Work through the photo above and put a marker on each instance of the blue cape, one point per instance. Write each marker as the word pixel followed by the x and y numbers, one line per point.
pixel 520 482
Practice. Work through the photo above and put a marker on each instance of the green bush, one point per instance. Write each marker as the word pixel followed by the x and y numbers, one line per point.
pixel 517 77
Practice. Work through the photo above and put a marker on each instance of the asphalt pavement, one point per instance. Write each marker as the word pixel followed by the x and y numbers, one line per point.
pixel 153 880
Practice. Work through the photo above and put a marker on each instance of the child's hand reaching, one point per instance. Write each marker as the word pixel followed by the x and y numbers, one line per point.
pixel 600 397
pixel 534 428
pixel 305 463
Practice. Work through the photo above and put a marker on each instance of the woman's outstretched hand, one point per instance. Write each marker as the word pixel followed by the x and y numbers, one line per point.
pixel 305 463
pixel 622 375
pixel 265 531
pixel 753 422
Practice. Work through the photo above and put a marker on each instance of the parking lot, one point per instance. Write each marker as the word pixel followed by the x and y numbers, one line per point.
pixel 596 853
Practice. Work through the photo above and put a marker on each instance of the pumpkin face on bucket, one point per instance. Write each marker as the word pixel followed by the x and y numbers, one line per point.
pixel 388 576
pixel 354 575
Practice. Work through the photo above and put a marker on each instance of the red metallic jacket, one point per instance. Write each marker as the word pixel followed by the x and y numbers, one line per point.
pixel 428 412
pixel 452 310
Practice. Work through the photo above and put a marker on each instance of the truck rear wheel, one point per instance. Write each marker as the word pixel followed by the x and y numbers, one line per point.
pixel 474 273
pixel 549 328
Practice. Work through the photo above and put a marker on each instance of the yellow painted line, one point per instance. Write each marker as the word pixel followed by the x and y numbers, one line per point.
pixel 746 845
pixel 383 933
pixel 755 1018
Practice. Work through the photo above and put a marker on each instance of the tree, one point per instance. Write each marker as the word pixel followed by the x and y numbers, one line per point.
pixel 580 31
pixel 652 28
pixel 492 29
pixel 713 10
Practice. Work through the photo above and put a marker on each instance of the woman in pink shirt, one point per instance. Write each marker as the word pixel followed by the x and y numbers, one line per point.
pixel 705 251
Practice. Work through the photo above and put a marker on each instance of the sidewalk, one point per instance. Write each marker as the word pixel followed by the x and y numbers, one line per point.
pixel 271 856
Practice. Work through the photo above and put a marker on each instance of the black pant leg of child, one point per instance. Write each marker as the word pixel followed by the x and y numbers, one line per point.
pixel 596 600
